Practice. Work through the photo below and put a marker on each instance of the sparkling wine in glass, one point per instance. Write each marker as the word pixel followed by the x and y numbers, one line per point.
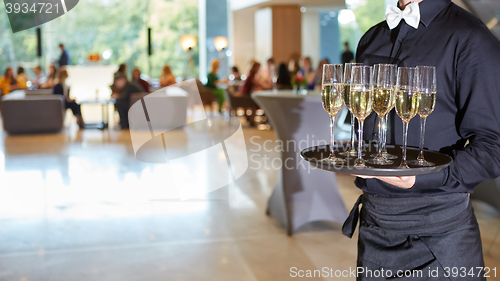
pixel 361 100
pixel 407 103
pixel 332 96
pixel 383 102
pixel 427 88
pixel 385 154
pixel 347 92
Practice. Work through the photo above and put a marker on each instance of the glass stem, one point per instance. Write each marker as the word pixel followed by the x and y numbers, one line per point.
pixel 380 137
pixel 360 140
pixel 384 135
pixel 405 142
pixel 422 133
pixel 332 137
pixel 353 132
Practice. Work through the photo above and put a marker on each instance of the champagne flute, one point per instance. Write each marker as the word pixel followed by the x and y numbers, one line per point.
pixel 426 86
pixel 383 97
pixel 384 135
pixel 347 93
pixel 361 100
pixel 407 101
pixel 332 97
pixel 385 154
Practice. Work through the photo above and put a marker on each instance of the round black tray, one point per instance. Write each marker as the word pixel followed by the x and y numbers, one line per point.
pixel 314 154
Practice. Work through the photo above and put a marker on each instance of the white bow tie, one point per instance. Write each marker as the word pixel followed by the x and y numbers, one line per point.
pixel 411 14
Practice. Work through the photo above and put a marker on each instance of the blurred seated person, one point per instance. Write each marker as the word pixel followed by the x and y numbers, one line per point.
pixel 39 78
pixel 61 89
pixel 166 77
pixel 140 83
pixel 234 80
pixel 7 82
pixel 308 73
pixel 51 79
pixel 122 90
pixel 318 76
pixel 284 78
pixel 236 73
pixel 122 68
pixel 293 67
pixel 213 81
pixel 122 71
pixel 265 75
pixel 251 84
pixel 22 78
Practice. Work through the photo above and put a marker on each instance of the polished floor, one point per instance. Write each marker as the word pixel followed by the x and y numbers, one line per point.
pixel 77 205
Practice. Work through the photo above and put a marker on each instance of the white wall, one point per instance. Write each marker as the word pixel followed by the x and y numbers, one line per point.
pixel 241 4
pixel 263 35
pixel 242 37
pixel 310 36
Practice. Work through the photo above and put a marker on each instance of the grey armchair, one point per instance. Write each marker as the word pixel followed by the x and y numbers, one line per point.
pixel 23 114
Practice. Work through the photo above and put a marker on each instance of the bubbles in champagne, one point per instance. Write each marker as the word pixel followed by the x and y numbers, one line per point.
pixel 427 103
pixel 347 92
pixel 361 103
pixel 383 101
pixel 407 103
pixel 332 96
pixel 393 102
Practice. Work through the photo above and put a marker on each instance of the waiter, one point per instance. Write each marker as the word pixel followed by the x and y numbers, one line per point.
pixel 426 222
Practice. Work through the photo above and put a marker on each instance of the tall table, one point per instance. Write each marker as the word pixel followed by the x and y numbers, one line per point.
pixel 302 194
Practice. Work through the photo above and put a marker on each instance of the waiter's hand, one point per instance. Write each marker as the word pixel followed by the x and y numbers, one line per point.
pixel 403 182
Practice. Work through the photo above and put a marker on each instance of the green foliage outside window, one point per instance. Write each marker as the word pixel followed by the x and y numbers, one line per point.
pixel 94 26
pixel 368 13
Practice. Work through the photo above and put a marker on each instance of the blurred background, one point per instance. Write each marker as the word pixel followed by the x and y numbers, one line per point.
pixel 76 203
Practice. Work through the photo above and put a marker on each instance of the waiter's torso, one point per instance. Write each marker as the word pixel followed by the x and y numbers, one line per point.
pixel 444 32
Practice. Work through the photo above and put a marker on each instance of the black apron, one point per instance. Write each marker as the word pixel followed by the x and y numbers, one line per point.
pixel 418 238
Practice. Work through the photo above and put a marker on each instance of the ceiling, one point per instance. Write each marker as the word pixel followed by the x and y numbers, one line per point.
pixel 487 10
pixel 241 4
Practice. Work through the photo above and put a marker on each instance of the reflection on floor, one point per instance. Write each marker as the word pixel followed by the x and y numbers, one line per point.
pixel 78 206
